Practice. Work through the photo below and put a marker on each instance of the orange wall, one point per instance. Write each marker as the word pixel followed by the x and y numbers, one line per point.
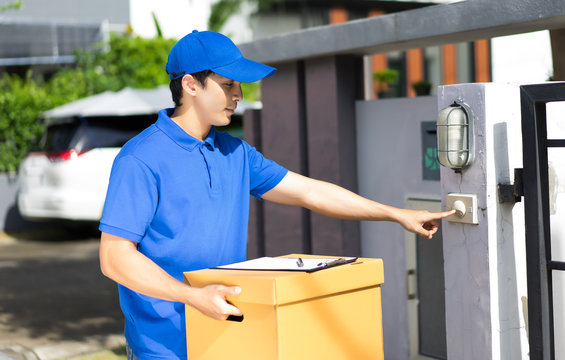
pixel 414 69
pixel 380 61
pixel 449 64
pixel 338 14
pixel 482 61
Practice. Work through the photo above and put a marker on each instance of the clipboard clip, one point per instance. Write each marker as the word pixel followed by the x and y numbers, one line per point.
pixel 336 262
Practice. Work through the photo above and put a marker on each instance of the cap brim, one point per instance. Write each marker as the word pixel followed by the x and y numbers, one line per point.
pixel 245 70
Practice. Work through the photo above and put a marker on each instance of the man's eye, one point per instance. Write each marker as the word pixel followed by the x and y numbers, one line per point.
pixel 229 84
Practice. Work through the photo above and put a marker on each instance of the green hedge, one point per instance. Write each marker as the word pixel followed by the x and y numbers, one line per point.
pixel 124 61
pixel 21 100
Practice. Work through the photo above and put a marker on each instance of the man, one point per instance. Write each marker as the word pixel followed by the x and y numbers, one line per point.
pixel 178 199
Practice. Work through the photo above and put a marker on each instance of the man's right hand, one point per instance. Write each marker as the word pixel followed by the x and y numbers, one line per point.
pixel 211 301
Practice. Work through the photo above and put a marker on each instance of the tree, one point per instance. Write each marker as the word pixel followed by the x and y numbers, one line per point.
pixel 222 10
pixel 11 6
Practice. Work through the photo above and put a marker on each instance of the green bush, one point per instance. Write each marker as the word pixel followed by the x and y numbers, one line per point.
pixel 124 61
pixel 131 61
pixel 20 104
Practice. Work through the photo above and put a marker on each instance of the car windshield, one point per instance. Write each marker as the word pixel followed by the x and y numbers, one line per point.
pixel 59 137
pixel 95 132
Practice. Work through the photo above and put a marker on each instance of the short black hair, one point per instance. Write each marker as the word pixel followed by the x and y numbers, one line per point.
pixel 176 84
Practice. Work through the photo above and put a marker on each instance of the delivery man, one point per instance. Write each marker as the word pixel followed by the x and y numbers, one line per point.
pixel 178 199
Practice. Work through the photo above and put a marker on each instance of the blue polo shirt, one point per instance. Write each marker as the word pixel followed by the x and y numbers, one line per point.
pixel 185 202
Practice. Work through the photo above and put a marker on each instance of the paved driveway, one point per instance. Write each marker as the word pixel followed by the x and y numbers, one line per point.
pixel 54 302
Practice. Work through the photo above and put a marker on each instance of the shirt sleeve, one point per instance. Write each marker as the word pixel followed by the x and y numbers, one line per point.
pixel 131 200
pixel 264 174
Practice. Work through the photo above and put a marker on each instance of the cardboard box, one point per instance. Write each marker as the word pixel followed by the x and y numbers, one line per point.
pixel 333 313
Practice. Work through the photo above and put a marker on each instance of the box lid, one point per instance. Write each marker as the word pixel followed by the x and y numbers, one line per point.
pixel 284 287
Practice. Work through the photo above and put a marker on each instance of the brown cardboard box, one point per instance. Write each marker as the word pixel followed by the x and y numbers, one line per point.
pixel 333 313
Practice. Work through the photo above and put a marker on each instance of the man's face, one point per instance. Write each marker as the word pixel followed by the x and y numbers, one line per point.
pixel 216 102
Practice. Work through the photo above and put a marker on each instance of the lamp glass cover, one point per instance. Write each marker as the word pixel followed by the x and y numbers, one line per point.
pixel 452 137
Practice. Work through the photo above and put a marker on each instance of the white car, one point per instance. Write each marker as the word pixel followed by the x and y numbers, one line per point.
pixel 68 177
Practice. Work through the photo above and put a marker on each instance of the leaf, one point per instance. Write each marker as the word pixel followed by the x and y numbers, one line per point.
pixel 157 26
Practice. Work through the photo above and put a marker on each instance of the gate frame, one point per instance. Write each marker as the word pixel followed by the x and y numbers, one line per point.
pixel 533 99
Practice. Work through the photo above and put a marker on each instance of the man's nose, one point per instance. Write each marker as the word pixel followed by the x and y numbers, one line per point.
pixel 238 93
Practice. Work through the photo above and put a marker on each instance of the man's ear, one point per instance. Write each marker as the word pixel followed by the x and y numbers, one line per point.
pixel 189 84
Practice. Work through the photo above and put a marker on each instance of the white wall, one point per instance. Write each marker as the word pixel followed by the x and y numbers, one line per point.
pixel 389 163
pixel 556 159
pixel 506 224
pixel 522 58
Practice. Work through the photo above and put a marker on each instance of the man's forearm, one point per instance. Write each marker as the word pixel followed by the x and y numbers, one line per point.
pixel 329 199
pixel 121 262
pixel 334 201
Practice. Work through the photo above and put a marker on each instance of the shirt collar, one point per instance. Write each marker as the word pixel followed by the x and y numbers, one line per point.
pixel 178 135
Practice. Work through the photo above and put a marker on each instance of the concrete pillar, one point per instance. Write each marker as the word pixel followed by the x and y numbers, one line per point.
pixel 282 140
pixel 331 88
pixel 308 125
pixel 256 232
pixel 485 268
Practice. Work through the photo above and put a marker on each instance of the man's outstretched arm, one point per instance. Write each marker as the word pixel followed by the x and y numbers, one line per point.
pixel 334 201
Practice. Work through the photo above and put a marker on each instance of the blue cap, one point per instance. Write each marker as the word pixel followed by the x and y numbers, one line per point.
pixel 207 50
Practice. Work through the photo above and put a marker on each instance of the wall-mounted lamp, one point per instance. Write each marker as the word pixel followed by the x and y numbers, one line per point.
pixel 455 143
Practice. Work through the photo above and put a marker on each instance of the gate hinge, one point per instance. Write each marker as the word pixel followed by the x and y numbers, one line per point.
pixel 512 193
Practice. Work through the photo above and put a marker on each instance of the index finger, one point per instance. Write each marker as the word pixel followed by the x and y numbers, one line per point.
pixel 443 214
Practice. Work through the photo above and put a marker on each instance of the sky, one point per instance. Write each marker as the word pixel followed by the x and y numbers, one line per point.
pixel 176 19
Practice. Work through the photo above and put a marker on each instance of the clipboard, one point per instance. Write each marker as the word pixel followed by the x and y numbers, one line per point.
pixel 288 264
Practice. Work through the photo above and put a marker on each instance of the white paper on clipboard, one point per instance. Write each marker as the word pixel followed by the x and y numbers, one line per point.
pixel 287 264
